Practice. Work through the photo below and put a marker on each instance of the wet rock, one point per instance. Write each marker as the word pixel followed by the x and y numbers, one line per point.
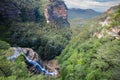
pixel 35 64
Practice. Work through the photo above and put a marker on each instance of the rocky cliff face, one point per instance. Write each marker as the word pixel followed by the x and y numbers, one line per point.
pixel 56 13
pixel 13 10
pixel 110 23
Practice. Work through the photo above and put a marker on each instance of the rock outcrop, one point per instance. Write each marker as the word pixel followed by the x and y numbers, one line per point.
pixel 109 24
pixel 115 32
pixel 56 13
pixel 106 22
pixel 107 19
pixel 32 54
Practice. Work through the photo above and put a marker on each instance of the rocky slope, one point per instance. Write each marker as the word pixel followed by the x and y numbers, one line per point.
pixel 56 13
pixel 109 23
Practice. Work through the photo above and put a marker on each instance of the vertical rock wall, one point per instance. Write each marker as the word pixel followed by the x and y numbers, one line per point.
pixel 56 13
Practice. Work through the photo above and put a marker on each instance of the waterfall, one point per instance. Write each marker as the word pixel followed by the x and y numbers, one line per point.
pixel 40 69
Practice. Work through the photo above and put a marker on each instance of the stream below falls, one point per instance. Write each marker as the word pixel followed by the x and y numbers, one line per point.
pixel 34 63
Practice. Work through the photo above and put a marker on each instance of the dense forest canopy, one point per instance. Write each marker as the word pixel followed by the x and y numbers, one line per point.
pixel 88 52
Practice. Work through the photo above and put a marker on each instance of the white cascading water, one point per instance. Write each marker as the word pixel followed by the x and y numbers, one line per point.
pixel 18 52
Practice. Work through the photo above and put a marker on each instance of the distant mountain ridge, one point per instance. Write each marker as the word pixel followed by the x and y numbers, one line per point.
pixel 82 13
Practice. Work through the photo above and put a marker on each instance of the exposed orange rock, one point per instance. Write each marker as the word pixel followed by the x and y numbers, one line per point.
pixel 51 65
pixel 56 11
